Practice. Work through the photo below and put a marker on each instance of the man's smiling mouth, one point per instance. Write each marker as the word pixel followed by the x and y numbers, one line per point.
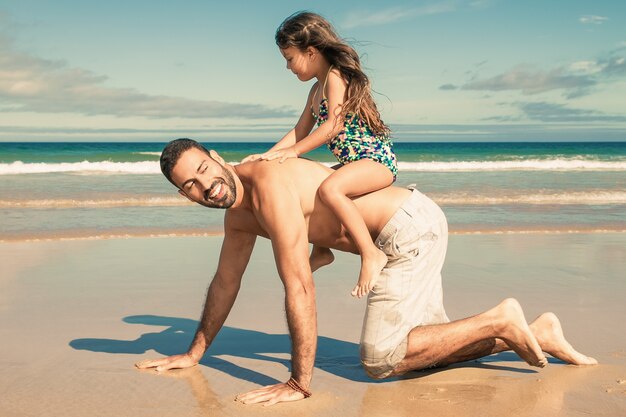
pixel 214 191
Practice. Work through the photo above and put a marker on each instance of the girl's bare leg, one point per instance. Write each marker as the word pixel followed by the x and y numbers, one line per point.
pixel 351 180
pixel 320 257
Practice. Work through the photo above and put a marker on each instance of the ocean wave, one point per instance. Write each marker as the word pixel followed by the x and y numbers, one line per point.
pixel 98 234
pixel 516 165
pixel 173 201
pixel 595 197
pixel 152 167
pixel 148 153
pixel 104 167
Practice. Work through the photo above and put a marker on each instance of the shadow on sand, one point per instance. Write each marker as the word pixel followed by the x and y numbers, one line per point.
pixel 335 356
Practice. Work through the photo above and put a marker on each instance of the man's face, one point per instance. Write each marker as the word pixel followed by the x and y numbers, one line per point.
pixel 204 180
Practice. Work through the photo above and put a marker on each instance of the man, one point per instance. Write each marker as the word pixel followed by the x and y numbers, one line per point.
pixel 405 325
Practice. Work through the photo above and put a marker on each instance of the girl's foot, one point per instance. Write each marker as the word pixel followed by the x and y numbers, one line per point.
pixel 320 257
pixel 370 270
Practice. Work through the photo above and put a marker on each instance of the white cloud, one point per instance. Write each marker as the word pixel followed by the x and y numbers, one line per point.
pixel 381 17
pixel 592 19
pixel 575 80
pixel 32 84
pixel 554 112
pixel 532 81
pixel 585 67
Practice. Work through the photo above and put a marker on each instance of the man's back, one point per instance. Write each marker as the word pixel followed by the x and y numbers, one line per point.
pixel 300 178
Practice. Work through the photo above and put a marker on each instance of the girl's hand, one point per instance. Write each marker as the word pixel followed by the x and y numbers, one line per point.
pixel 251 158
pixel 281 154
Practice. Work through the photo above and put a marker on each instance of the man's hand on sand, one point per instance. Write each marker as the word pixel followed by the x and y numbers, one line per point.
pixel 171 362
pixel 270 395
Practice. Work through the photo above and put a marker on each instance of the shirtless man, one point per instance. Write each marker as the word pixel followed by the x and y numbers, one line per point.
pixel 405 326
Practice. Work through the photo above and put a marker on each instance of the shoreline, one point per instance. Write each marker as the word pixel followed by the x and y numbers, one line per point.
pixel 89 234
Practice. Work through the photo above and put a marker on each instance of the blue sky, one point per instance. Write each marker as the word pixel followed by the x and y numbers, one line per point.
pixel 445 70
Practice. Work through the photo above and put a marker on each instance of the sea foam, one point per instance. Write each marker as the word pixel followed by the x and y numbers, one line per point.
pixel 173 201
pixel 152 167
pixel 526 197
pixel 19 167
pixel 517 165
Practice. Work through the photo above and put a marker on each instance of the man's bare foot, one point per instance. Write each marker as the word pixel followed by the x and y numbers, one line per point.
pixel 511 324
pixel 370 270
pixel 320 257
pixel 549 333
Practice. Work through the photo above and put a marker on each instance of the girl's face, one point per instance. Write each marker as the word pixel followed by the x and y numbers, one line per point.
pixel 300 62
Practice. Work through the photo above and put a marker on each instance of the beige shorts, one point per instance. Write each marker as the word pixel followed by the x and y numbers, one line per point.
pixel 408 292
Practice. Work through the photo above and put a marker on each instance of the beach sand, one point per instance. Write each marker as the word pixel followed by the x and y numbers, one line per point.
pixel 76 315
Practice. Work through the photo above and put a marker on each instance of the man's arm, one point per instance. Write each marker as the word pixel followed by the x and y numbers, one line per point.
pixel 290 244
pixel 280 214
pixel 234 256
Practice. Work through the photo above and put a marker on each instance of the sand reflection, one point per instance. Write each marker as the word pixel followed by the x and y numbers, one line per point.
pixel 465 391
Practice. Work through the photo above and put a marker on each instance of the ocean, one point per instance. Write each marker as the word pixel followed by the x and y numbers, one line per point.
pixel 66 190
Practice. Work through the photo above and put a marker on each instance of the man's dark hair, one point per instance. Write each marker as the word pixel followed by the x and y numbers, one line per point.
pixel 172 152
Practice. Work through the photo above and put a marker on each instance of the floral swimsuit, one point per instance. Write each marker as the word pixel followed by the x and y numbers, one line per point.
pixel 356 141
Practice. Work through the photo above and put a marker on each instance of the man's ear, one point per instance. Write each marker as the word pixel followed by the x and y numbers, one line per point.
pixel 216 157
pixel 181 192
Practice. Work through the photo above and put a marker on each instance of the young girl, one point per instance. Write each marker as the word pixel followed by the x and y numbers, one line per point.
pixel 341 105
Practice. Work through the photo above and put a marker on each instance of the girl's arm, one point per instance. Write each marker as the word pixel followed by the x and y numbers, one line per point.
pixel 335 92
pixel 302 128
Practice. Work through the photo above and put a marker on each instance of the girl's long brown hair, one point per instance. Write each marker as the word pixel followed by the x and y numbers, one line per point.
pixel 305 29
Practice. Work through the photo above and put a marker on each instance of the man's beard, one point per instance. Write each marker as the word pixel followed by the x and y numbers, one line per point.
pixel 230 193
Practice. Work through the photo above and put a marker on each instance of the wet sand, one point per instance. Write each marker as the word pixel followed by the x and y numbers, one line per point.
pixel 75 315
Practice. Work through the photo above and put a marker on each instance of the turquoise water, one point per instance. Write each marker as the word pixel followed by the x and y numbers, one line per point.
pixel 408 152
pixel 49 190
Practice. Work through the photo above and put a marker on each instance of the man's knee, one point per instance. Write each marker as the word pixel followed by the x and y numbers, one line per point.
pixel 327 190
pixel 376 372
pixel 380 364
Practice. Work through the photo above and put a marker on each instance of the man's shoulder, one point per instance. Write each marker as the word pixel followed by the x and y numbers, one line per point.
pixel 266 174
pixel 294 181
pixel 262 175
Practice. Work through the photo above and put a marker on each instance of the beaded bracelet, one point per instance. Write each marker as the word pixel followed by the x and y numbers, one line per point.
pixel 293 384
